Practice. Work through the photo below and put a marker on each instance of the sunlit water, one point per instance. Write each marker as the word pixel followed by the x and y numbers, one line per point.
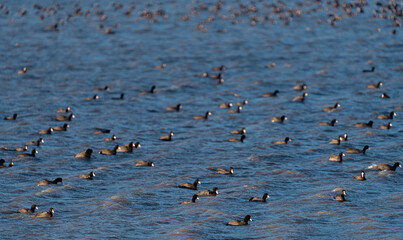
pixel 124 201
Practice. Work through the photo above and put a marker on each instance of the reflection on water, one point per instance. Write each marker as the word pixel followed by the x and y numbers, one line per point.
pixel 264 47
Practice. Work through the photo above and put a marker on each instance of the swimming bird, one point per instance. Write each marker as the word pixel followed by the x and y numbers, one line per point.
pixel 377 85
pixel 144 164
pixel 28 210
pixel 14 117
pixel 205 117
pixel 218 76
pixel 64 128
pixel 244 102
pixel 278 119
pixel 225 105
pixel 37 142
pixel 22 71
pixel 86 154
pixel 387 167
pixel 387 126
pixel 160 66
pixel 331 123
pixel 286 140
pixel 369 124
pixel 108 151
pixel 238 110
pixel 345 137
pixel 384 95
pixel 177 108
pixel 360 177
pixel 113 138
pixel 48 182
pixel 167 138
pixel 237 140
pixel 341 197
pixel 226 172
pixel 390 116
pixel 46 131
pixel 95 97
pixel 369 70
pixel 189 185
pixel 353 150
pixel 32 154
pixel 106 88
pixel 220 68
pixel 331 108
pixel 128 147
pixel 242 131
pixel 274 94
pixel 271 65
pixel 122 96
pixel 336 158
pixel 336 141
pixel 18 149
pixel 299 87
pixel 48 214
pixel 257 199
pixel 213 192
pixel 2 161
pixel 63 118
pixel 240 223
pixel 194 198
pixel 61 110
pixel 101 131
pixel 152 90
pixel 300 98
pixel 88 176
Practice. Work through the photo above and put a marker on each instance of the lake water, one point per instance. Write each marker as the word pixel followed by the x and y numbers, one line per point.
pixel 125 201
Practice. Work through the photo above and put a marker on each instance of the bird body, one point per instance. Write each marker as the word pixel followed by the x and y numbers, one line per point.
pixel 377 85
pixel 64 118
pixel 273 94
pixel 28 210
pixel 383 167
pixel 278 119
pixel 240 223
pixel 223 171
pixel 242 131
pixel 144 164
pixel 167 138
pixel 32 154
pixel 64 128
pixel 205 117
pixel 46 131
pixel 189 185
pixel 48 182
pixel 354 150
pixel 213 192
pixel 360 177
pixel 390 116
pixel 236 139
pixel 336 158
pixel 331 123
pixel 108 151
pixel 369 124
pixel 257 199
pixel 341 197
pixel 14 117
pixel 194 198
pixel 85 154
pixel 89 176
pixel 286 140
pixel 48 214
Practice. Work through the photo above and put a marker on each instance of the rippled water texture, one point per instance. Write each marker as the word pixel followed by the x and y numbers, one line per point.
pixel 264 47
